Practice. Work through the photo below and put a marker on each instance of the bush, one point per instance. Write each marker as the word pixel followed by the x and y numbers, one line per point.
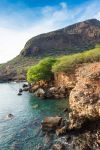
pixel 41 71
pixel 67 63
pixel 45 69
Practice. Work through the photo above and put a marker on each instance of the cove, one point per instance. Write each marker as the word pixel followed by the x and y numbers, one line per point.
pixel 23 131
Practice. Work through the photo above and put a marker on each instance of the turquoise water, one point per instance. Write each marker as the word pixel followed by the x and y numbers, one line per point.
pixel 23 131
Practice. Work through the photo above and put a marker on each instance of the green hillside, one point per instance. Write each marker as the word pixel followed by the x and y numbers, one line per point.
pixel 45 68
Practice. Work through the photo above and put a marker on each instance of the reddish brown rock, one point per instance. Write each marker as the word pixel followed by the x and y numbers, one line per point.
pixel 51 123
pixel 85 97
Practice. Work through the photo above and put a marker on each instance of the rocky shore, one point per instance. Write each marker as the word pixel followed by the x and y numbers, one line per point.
pixel 81 130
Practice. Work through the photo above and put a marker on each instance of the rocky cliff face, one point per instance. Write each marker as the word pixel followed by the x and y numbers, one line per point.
pixel 85 97
pixel 82 130
pixel 84 101
pixel 62 79
pixel 71 39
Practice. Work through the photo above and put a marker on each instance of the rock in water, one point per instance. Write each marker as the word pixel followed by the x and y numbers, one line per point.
pixel 35 106
pixel 51 123
pixel 40 93
pixel 19 94
pixel 10 116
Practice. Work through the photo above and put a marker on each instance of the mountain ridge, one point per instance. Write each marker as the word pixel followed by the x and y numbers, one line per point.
pixel 72 39
pixel 79 36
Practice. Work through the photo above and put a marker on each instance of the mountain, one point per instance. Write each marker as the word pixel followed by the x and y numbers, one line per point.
pixel 72 39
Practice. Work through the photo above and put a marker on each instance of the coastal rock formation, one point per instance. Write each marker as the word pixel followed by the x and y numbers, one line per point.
pixel 87 141
pixel 59 88
pixel 84 99
pixel 51 123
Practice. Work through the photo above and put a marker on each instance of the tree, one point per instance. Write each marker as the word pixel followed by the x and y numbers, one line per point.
pixel 41 71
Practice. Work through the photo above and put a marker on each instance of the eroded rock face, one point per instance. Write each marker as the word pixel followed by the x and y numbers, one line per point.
pixel 87 141
pixel 65 80
pixel 85 97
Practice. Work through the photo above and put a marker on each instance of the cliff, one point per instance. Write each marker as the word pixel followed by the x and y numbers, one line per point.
pixel 84 98
pixel 82 130
pixel 72 39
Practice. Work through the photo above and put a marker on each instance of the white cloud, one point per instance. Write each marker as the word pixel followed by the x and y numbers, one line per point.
pixel 97 15
pixel 12 39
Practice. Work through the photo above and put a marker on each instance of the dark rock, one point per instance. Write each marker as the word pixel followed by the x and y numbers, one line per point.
pixel 10 116
pixel 25 85
pixel 19 94
pixel 26 89
pixel 20 90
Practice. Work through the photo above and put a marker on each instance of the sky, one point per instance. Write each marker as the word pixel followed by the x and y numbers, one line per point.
pixel 22 19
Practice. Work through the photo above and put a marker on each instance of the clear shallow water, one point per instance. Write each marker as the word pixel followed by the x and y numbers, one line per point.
pixel 23 131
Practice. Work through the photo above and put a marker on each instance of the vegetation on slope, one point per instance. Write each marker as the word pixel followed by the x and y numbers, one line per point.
pixel 45 69
pixel 16 68
pixel 67 63
pixel 41 71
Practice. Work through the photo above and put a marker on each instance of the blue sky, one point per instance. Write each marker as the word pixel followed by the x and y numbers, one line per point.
pixel 23 19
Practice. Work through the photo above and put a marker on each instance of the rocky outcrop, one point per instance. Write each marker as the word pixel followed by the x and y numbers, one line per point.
pixel 51 123
pixel 59 88
pixel 65 80
pixel 44 89
pixel 84 99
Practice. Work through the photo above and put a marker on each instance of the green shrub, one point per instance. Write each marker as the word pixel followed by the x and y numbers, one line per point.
pixel 41 71
pixel 45 68
pixel 67 63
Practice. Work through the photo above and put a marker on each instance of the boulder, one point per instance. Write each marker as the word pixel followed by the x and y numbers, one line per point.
pixel 34 88
pixel 25 85
pixel 9 116
pixel 51 123
pixel 20 90
pixel 26 89
pixel 19 94
pixel 40 93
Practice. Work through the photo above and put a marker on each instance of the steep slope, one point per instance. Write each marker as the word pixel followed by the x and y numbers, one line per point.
pixel 72 39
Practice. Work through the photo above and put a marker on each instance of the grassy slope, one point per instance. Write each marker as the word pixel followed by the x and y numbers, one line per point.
pixel 67 63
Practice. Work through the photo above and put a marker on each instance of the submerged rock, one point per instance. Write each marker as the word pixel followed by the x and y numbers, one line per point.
pixel 10 116
pixel 20 90
pixel 35 106
pixel 19 94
